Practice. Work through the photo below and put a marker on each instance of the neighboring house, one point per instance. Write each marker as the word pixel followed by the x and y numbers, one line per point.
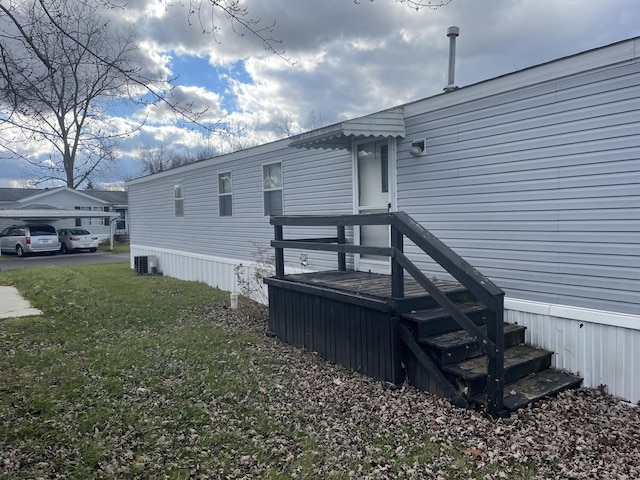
pixel 533 177
pixel 102 212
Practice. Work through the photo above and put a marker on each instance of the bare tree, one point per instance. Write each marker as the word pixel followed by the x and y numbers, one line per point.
pixel 419 4
pixel 54 92
pixel 206 14
pixel 154 160
pixel 204 153
pixel 283 126
pixel 63 69
pixel 160 159
pixel 234 136
pixel 314 120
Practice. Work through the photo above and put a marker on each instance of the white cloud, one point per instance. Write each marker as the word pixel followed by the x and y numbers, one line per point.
pixel 197 99
pixel 352 59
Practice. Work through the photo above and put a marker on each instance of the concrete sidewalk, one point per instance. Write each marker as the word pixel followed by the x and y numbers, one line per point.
pixel 13 305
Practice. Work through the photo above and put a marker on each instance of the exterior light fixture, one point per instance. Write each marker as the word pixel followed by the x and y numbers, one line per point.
pixel 418 148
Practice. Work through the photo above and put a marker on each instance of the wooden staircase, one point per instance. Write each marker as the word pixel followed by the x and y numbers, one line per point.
pixel 461 361
pixel 450 334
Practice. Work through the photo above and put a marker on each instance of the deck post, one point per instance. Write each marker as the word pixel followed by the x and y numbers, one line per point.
pixel 279 252
pixel 495 368
pixel 342 256
pixel 397 272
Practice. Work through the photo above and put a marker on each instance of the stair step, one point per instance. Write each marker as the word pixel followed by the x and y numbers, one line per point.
pixel 533 387
pixel 519 361
pixel 455 292
pixel 458 346
pixel 436 321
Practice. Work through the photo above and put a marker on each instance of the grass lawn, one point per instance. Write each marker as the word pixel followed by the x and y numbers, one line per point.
pixel 128 376
pixel 118 247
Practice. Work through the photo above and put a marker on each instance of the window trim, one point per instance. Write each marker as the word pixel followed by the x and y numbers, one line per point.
pixel 265 190
pixel 178 200
pixel 225 194
pixel 87 221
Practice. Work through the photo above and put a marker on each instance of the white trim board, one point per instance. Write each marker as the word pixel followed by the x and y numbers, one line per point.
pixel 601 317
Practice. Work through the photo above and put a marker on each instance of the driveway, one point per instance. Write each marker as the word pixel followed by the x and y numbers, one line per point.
pixel 9 262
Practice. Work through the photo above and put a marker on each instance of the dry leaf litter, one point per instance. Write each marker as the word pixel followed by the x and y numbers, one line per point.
pixel 341 424
pixel 580 434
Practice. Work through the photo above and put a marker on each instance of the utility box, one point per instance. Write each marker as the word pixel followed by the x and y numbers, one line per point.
pixel 145 264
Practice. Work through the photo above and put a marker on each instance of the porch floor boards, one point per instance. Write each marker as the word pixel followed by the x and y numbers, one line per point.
pixel 374 285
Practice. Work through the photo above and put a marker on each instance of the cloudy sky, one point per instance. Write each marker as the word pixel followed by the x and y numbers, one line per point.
pixel 345 59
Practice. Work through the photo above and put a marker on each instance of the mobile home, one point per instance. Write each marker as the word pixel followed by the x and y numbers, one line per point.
pixel 532 177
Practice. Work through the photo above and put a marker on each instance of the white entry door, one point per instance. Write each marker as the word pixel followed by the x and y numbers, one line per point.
pixel 373 195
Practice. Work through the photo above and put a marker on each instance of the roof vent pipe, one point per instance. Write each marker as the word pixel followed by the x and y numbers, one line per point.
pixel 452 33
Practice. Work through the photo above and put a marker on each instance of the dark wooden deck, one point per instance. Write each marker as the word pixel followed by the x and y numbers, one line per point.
pixel 369 288
pixel 347 317
pixel 377 324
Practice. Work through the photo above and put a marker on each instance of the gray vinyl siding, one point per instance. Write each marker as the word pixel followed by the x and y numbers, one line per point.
pixel 317 182
pixel 535 182
pixel 314 181
pixel 538 188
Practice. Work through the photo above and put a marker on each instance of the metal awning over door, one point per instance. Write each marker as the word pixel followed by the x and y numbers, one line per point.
pixel 385 124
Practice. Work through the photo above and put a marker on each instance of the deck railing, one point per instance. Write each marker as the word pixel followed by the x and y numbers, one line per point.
pixel 402 225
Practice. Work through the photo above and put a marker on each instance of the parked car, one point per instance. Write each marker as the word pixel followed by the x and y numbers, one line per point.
pixel 77 239
pixel 32 238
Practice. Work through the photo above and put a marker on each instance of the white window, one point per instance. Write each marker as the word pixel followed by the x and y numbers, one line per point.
pixel 225 197
pixel 121 223
pixel 92 222
pixel 272 188
pixel 178 196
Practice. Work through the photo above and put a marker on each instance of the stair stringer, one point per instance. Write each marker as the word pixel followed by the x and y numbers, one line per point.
pixel 443 386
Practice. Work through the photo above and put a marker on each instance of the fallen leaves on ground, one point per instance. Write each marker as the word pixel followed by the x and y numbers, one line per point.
pixel 290 414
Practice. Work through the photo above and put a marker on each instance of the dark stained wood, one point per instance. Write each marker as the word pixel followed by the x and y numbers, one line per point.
pixel 458 346
pixel 536 386
pixel 356 336
pixel 342 240
pixel 307 244
pixel 332 220
pixel 365 283
pixel 496 375
pixel 315 240
pixel 279 255
pixel 397 272
pixel 436 380
pixel 434 321
pixel 519 361
pixel 449 306
pixel 348 318
pixel 345 295
pixel 394 292
pixel 483 288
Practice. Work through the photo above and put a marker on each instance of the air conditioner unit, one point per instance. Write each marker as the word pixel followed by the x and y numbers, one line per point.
pixel 145 264
pixel 141 265
pixel 153 263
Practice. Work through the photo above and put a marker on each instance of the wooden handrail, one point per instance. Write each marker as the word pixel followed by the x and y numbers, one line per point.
pixel 333 220
pixel 463 320
pixel 481 287
pixel 402 225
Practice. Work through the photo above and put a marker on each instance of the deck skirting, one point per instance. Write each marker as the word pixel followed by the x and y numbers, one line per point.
pixel 359 337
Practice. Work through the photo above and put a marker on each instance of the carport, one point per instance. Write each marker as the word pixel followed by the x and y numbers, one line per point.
pixel 51 214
